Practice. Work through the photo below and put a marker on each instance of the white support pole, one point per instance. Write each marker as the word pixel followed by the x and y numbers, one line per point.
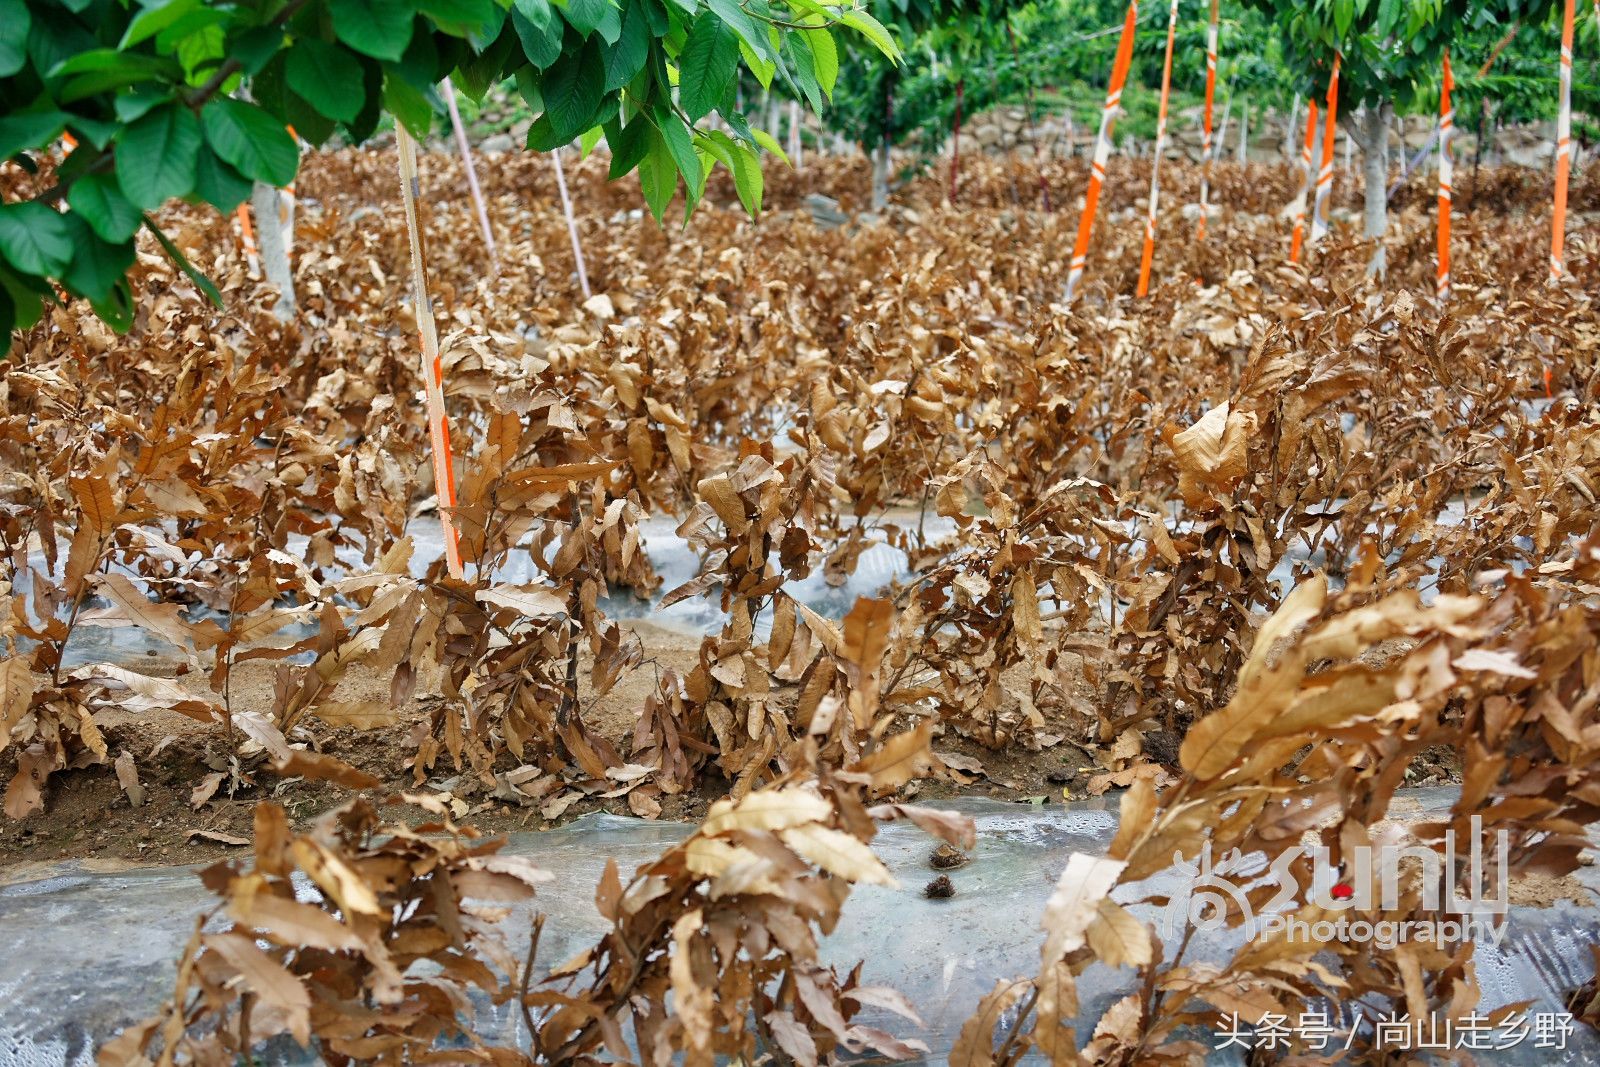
pixel 572 224
pixel 472 174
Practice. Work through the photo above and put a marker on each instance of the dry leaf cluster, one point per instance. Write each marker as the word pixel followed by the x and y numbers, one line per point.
pixel 1291 532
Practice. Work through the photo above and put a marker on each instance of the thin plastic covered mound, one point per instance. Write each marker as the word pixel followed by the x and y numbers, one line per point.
pixel 90 952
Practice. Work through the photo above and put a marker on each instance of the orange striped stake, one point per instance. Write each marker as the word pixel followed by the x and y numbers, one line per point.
pixel 444 477
pixel 1558 232
pixel 1447 126
pixel 1205 144
pixel 1102 149
pixel 1155 161
pixel 1330 130
pixel 1298 238
pixel 247 238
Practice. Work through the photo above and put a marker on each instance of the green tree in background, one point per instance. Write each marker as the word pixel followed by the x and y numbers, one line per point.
pixel 1392 52
pixel 189 98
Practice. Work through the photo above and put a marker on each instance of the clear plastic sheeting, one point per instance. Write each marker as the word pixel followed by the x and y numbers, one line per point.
pixel 91 952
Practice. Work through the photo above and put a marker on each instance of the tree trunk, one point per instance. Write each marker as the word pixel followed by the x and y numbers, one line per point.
pixel 274 252
pixel 1370 132
pixel 880 176
pixel 880 157
pixel 1244 135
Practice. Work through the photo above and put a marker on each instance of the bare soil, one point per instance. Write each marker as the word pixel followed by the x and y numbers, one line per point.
pixel 89 818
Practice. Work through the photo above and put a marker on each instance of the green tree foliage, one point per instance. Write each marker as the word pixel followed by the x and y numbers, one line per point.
pixel 190 98
pixel 1392 49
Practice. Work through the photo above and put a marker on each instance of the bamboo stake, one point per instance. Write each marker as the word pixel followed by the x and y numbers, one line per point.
pixel 1447 125
pixel 1306 183
pixel 1102 149
pixel 472 175
pixel 1205 143
pixel 444 477
pixel 1330 128
pixel 572 224
pixel 1155 160
pixel 1558 229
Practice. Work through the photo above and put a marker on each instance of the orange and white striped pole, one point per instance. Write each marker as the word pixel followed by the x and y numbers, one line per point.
pixel 1102 149
pixel 444 477
pixel 247 238
pixel 1558 232
pixel 1330 128
pixel 1205 143
pixel 1155 160
pixel 1306 182
pixel 1447 127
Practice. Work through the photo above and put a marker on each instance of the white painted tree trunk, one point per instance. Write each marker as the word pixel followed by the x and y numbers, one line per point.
pixel 1243 155
pixel 274 250
pixel 880 177
pixel 1374 136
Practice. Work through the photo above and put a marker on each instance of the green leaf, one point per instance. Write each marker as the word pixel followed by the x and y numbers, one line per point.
pixel 872 30
pixel 35 239
pixel 176 255
pixel 824 58
pixel 29 129
pixel 707 64
pixel 219 184
pixel 27 296
pixel 748 181
pixel 590 138
pixel 658 176
pixel 98 199
pixel 626 58
pixel 253 141
pixel 328 77
pixel 377 28
pixel 130 106
pixel 14 42
pixel 587 16
pixel 539 13
pixel 572 90
pixel 741 23
pixel 407 104
pixel 630 145
pixel 802 70
pixel 541 44
pixel 156 156
pixel 462 18
pixel 97 266
pixel 116 310
pixel 770 143
pixel 763 69
pixel 152 20
pixel 681 147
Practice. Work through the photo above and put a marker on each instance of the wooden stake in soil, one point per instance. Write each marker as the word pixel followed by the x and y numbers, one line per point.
pixel 572 224
pixel 1447 125
pixel 1102 149
pixel 1155 160
pixel 1300 198
pixel 1205 141
pixel 1330 130
pixel 1558 231
pixel 444 476
pixel 472 175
